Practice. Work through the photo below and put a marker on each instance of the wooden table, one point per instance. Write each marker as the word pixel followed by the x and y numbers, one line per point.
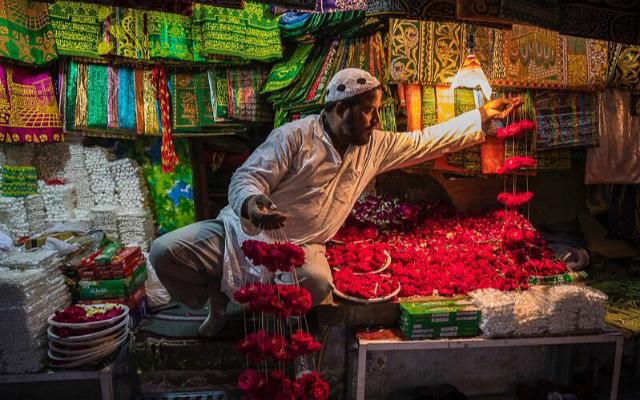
pixel 392 340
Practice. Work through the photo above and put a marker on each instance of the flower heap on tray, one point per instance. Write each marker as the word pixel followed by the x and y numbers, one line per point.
pixel 358 271
pixel 274 344
pixel 446 252
pixel 87 334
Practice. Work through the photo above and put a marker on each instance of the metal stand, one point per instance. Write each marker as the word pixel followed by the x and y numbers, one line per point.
pixel 365 345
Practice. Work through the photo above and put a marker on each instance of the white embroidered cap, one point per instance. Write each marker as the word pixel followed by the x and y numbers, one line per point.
pixel 350 82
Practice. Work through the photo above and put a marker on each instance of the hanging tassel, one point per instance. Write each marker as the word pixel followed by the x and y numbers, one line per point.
pixel 167 151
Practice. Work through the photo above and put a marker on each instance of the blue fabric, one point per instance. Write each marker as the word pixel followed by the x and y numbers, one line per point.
pixel 126 99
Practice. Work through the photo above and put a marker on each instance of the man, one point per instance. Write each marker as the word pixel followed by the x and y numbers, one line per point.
pixel 300 186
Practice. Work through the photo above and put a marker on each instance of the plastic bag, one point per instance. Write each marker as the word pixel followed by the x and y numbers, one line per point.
pixel 157 294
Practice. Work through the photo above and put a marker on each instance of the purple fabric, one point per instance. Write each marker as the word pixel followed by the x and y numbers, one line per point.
pixel 29 106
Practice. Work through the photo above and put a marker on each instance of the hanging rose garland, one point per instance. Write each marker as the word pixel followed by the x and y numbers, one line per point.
pixel 514 200
pixel 274 256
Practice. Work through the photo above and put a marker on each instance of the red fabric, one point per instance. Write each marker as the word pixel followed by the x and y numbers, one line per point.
pixel 167 151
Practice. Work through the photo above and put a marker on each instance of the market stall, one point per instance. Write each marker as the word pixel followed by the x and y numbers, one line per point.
pixel 122 121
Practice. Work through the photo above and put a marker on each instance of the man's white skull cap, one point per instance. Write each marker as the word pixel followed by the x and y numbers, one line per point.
pixel 350 82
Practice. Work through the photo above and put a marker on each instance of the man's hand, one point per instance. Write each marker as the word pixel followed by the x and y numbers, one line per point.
pixel 499 108
pixel 261 211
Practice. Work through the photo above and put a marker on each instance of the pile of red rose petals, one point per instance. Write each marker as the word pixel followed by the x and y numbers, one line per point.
pixel 454 253
pixel 366 286
pixel 360 258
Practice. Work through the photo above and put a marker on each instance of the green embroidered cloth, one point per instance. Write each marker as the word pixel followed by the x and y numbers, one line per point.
pixel 219 86
pixel 251 33
pixel 98 91
pixel 125 35
pixel 191 101
pixel 77 27
pixel 305 95
pixel 170 36
pixel 284 73
pixel 25 33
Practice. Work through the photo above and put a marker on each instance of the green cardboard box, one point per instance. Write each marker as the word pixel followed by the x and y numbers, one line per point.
pixel 439 313
pixel 107 289
pixel 454 331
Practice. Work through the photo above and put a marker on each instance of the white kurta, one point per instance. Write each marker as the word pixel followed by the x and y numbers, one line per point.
pixel 298 168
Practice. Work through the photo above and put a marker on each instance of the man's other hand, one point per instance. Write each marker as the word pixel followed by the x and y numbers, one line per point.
pixel 499 108
pixel 262 213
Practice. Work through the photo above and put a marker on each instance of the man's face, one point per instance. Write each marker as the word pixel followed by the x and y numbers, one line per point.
pixel 361 119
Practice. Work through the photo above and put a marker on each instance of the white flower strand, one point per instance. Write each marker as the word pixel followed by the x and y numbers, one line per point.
pixel 559 309
pixel 129 183
pixel 13 216
pixel 102 183
pixel 59 201
pixel 27 298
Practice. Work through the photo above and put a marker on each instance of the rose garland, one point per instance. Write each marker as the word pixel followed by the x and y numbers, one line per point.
pixel 361 258
pixel 274 256
pixel 276 386
pixel 512 164
pixel 259 345
pixel 283 301
pixel 516 129
pixel 280 300
pixel 513 200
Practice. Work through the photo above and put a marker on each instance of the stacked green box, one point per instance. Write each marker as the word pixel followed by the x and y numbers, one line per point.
pixel 439 319
pixel 110 288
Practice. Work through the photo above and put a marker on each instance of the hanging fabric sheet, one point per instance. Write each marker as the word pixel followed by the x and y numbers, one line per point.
pixel 219 87
pixel 542 13
pixel 125 35
pixel 425 52
pixel 112 98
pixel 183 7
pixel 28 108
pixel 534 57
pixel 251 33
pixel 615 21
pixel 25 33
pixel 192 107
pixel 324 6
pixel 566 119
pixel 97 90
pixel 284 73
pixel 624 67
pixel 77 27
pixel 424 9
pixel 126 99
pixel 617 158
pixel 167 150
pixel 170 36
pixel 245 102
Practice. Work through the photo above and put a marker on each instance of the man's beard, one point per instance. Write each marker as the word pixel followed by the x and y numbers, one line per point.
pixel 355 138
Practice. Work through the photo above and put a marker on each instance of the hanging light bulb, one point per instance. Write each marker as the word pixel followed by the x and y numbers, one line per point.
pixel 470 75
